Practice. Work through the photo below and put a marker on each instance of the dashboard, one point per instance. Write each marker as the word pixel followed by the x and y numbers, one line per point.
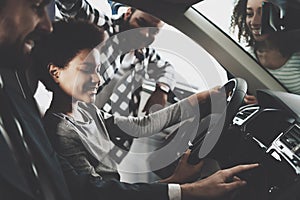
pixel 267 133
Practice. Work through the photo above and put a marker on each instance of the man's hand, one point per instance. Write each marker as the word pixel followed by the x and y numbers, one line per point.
pixel 156 101
pixel 217 185
pixel 184 171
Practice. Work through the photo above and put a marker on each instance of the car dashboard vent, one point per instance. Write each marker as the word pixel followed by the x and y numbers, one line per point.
pixel 292 140
pixel 287 146
pixel 244 114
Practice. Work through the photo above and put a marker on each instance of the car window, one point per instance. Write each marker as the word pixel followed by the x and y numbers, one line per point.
pixel 220 15
pixel 195 67
pixel 257 32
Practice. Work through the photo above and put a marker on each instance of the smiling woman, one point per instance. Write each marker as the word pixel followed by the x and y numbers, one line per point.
pixel 277 51
pixel 249 23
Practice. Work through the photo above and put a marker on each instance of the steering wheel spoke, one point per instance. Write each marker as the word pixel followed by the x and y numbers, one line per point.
pixel 209 141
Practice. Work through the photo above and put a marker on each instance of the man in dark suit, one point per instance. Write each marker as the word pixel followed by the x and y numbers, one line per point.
pixel 29 167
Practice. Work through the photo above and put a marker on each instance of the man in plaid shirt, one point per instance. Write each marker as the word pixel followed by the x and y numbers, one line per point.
pixel 137 60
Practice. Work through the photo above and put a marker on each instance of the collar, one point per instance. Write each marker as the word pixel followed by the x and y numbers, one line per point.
pixel 11 81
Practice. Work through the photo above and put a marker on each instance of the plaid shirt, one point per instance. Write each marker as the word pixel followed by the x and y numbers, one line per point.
pixel 116 45
pixel 145 63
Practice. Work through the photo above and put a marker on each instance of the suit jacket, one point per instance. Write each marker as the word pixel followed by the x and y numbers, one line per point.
pixel 65 185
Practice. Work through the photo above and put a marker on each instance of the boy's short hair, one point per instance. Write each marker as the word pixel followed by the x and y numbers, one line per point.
pixel 62 45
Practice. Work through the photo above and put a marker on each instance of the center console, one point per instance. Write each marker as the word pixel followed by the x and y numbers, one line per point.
pixel 269 134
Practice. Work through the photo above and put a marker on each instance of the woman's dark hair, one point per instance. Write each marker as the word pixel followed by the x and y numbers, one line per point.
pixel 238 19
pixel 285 42
pixel 62 45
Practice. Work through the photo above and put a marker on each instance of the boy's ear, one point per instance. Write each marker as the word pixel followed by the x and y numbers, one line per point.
pixel 54 72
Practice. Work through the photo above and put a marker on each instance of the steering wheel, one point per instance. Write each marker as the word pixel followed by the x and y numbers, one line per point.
pixel 211 136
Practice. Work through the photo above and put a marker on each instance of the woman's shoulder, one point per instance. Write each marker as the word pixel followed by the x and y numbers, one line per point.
pixel 294 61
pixel 296 56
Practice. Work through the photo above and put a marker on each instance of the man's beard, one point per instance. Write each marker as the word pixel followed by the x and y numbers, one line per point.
pixel 12 56
pixel 135 40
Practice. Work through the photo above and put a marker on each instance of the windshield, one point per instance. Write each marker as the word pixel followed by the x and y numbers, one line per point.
pixel 268 33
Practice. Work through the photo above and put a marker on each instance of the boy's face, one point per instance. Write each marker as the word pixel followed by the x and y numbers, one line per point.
pixel 80 79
